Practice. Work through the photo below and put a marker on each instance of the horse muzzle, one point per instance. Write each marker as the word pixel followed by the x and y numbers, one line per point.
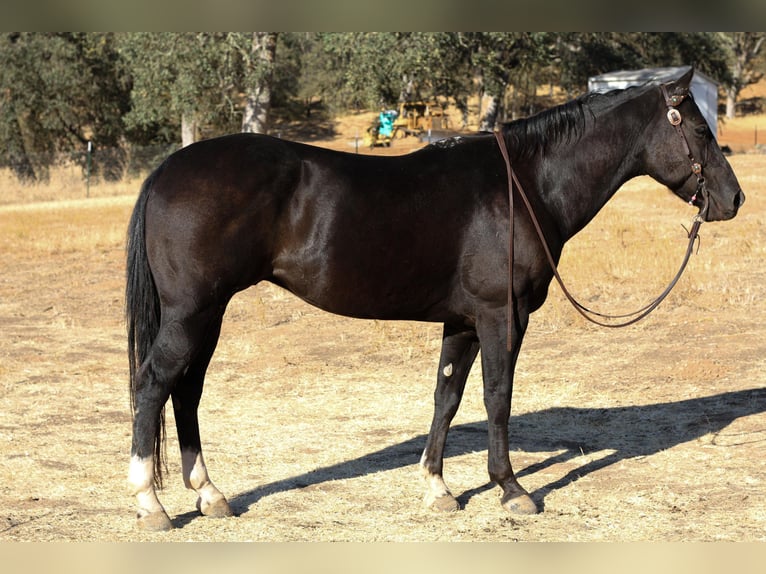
pixel 717 209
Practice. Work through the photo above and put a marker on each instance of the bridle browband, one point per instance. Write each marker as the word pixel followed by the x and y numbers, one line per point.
pixel 675 119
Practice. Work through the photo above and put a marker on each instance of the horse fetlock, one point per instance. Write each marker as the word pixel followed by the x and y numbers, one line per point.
pixel 438 497
pixel 212 502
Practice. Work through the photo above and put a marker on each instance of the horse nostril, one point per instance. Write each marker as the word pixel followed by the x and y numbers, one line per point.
pixel 739 199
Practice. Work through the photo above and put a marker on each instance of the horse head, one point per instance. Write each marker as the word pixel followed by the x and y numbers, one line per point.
pixel 683 154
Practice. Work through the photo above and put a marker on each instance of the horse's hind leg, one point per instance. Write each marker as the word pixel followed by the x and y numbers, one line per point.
pixel 180 338
pixel 186 397
pixel 151 393
pixel 459 350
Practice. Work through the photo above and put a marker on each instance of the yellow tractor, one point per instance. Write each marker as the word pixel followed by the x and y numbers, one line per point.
pixel 416 118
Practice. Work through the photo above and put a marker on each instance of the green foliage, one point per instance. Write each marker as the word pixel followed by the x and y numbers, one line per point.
pixel 177 74
pixel 746 58
pixel 57 92
pixel 374 69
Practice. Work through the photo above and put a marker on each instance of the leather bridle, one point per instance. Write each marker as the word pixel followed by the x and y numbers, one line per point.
pixel 675 119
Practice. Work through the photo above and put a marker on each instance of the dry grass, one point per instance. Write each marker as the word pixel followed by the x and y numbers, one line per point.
pixel 313 424
pixel 743 134
pixel 70 226
pixel 66 183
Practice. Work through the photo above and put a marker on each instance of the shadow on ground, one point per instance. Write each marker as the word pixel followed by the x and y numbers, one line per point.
pixel 575 431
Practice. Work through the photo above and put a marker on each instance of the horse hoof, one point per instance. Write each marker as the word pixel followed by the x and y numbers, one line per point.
pixel 522 504
pixel 155 522
pixel 216 509
pixel 445 503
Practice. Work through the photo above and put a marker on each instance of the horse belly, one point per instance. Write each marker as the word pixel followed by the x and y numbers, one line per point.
pixel 371 270
pixel 370 287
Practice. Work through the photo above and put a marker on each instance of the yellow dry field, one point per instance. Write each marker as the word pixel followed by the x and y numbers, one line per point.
pixel 313 424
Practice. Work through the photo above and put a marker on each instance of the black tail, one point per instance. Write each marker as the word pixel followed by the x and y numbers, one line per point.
pixel 142 312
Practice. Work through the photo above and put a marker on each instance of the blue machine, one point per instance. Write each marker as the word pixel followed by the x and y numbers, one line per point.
pixel 386 118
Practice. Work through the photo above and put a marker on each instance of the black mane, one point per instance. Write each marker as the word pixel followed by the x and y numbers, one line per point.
pixel 564 123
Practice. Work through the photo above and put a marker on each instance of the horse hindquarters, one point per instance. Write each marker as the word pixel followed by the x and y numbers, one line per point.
pixel 171 345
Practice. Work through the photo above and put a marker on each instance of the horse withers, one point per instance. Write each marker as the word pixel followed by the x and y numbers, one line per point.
pixel 423 236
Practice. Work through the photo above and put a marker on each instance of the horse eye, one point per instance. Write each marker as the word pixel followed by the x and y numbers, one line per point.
pixel 701 131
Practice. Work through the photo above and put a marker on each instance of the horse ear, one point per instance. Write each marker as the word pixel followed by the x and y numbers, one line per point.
pixel 683 83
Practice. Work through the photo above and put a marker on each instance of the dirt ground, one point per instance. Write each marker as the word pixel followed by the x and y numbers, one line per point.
pixel 313 424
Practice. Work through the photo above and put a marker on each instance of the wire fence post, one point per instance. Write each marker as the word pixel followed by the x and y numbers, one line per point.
pixel 87 170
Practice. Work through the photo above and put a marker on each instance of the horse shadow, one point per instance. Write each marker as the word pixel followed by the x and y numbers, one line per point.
pixel 573 431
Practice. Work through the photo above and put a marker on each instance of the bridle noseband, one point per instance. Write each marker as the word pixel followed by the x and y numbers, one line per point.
pixel 675 119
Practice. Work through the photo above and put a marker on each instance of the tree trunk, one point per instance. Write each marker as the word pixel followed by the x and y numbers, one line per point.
pixel 188 129
pixel 17 156
pixel 408 88
pixel 745 46
pixel 491 113
pixel 258 94
pixel 731 102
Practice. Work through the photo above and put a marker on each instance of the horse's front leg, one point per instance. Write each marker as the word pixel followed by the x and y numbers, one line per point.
pixel 498 365
pixel 459 349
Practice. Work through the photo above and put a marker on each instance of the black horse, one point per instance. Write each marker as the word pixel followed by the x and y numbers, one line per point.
pixel 424 236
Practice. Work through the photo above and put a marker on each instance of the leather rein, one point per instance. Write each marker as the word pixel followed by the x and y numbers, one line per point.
pixel 602 319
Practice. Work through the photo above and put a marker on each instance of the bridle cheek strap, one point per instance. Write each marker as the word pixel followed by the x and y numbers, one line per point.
pixel 675 119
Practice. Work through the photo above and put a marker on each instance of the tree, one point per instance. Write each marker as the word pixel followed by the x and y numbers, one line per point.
pixel 59 91
pixel 216 82
pixel 374 69
pixel 301 72
pixel 578 56
pixel 744 50
pixel 182 78
pixel 258 78
pixel 363 68
pixel 502 59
